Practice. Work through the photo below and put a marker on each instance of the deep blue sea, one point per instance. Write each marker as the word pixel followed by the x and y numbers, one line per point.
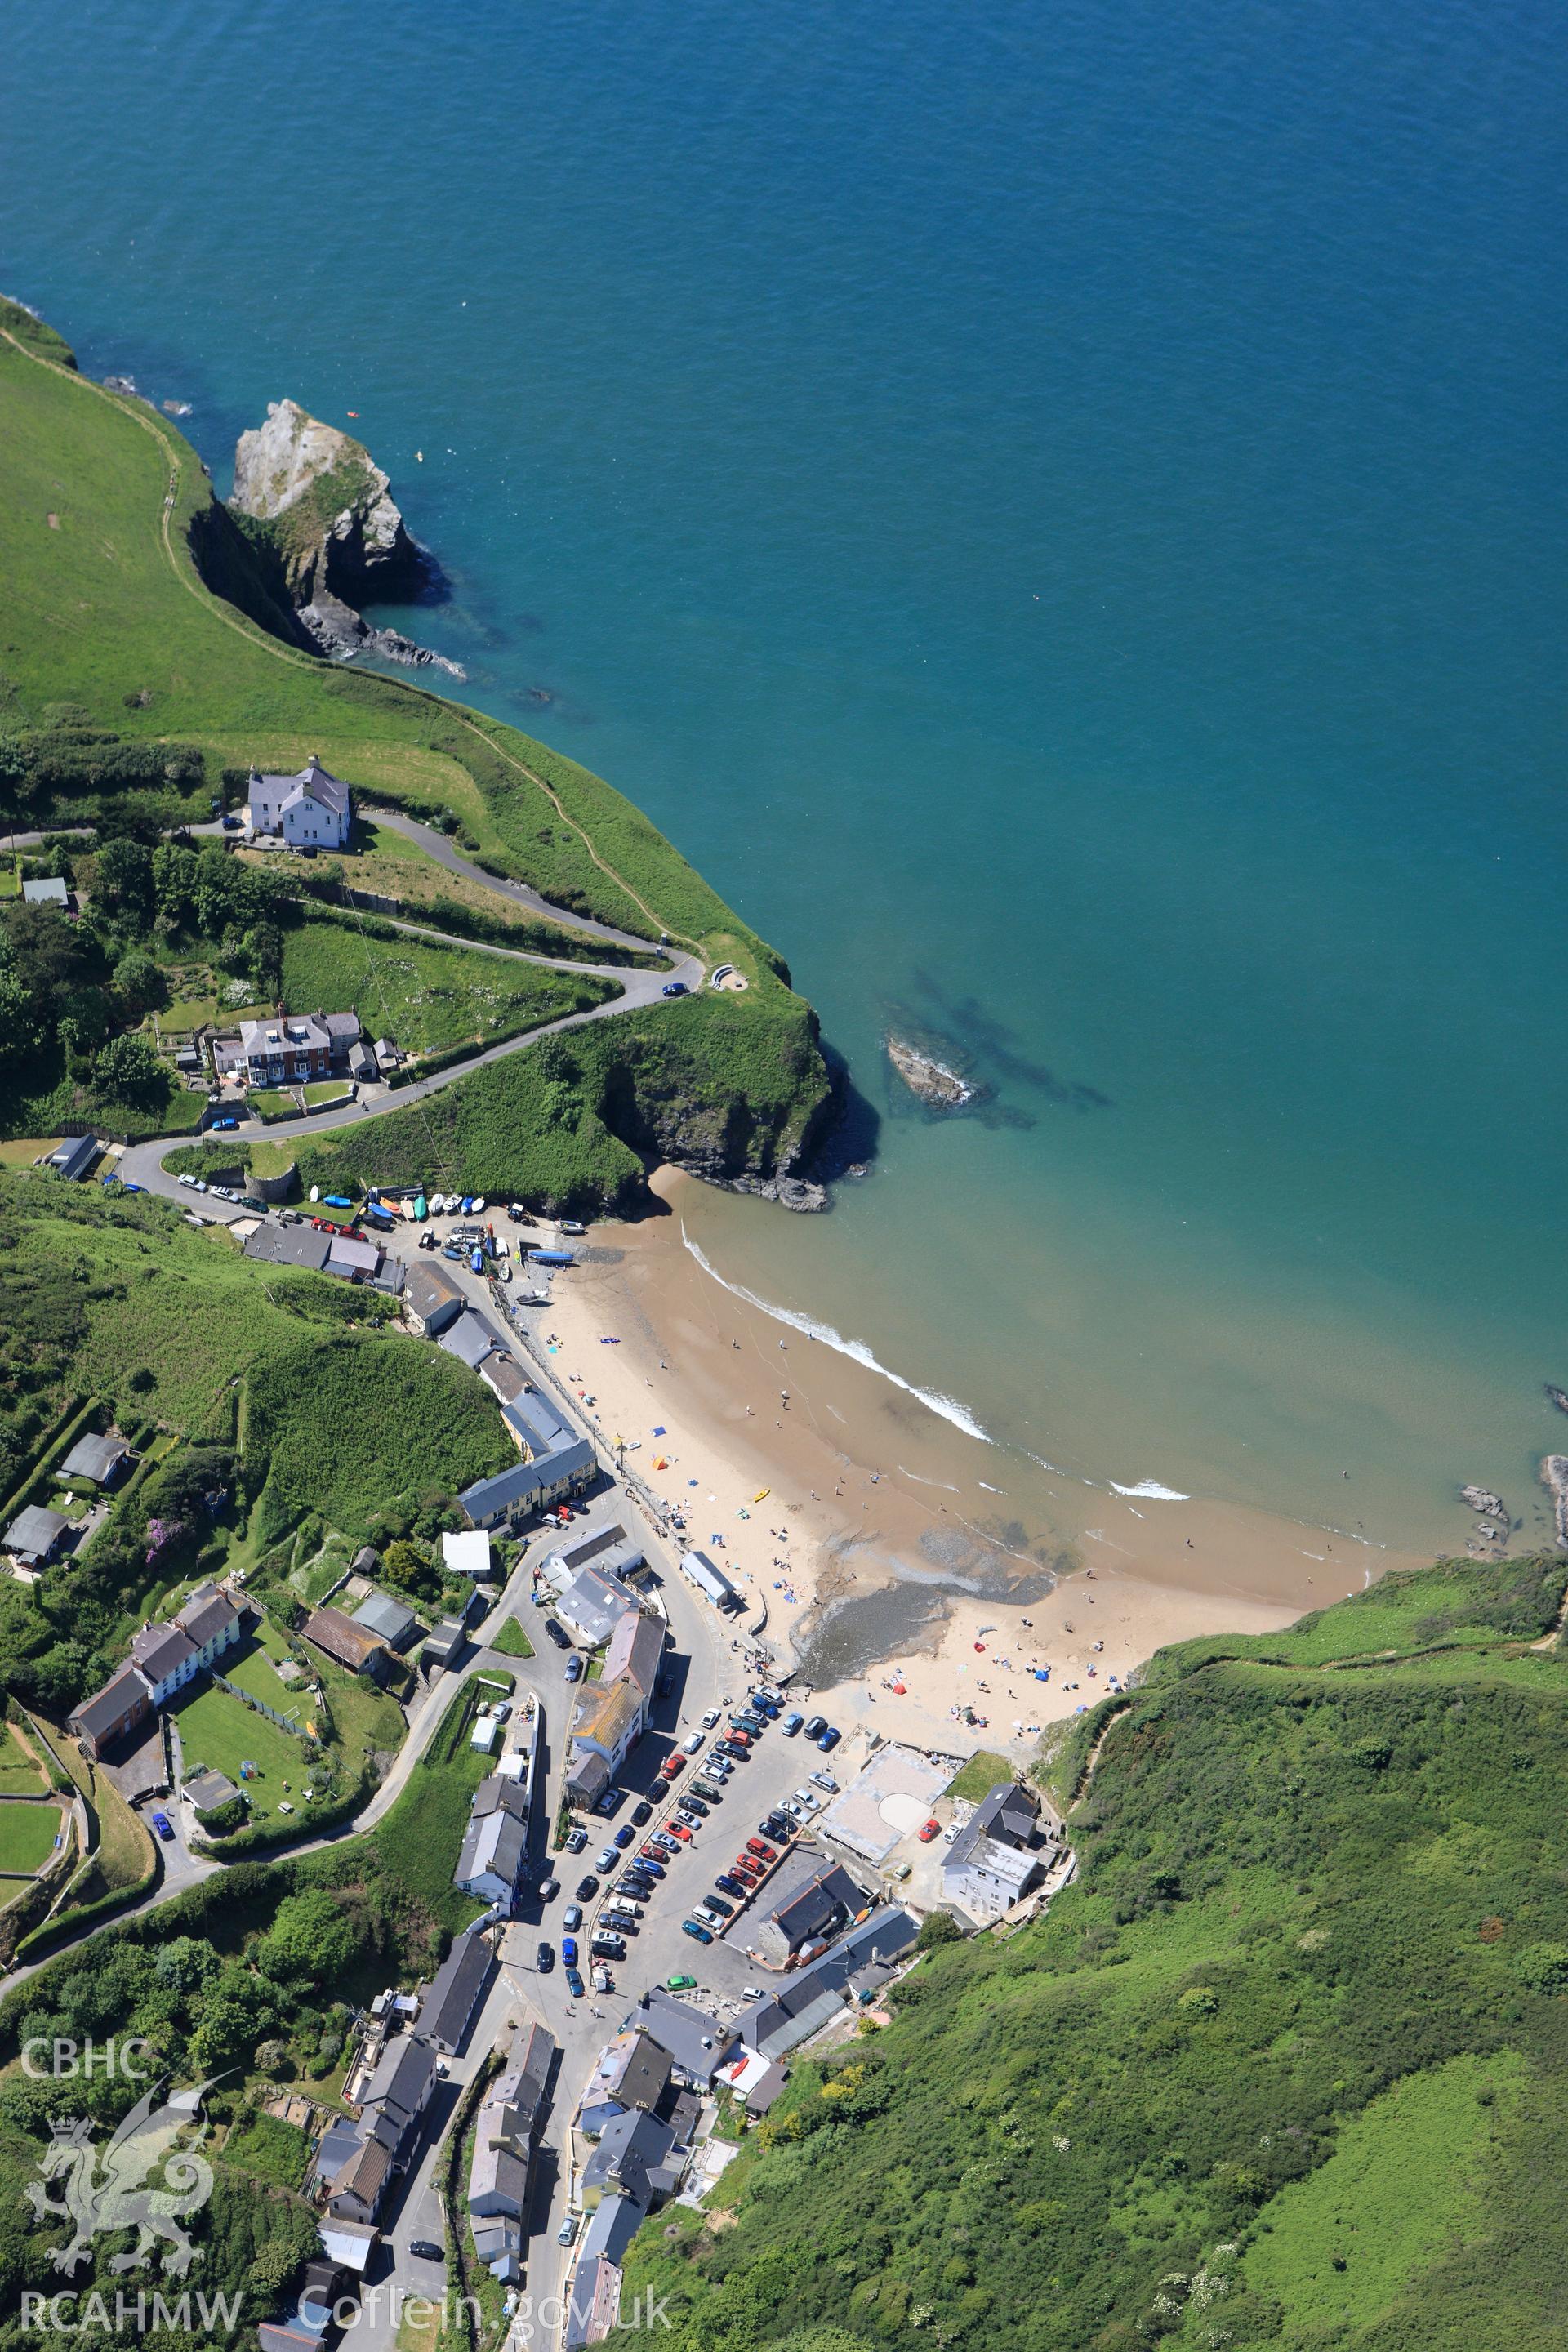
pixel 1060 512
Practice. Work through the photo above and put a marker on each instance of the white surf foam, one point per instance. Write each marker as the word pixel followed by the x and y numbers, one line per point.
pixel 1149 1491
pixel 950 1408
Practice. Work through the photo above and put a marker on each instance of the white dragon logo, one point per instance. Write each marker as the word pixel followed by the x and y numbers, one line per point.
pixel 120 2197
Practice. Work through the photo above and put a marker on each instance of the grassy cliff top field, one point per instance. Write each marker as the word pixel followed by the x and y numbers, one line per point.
pixel 1286 2065
pixel 127 686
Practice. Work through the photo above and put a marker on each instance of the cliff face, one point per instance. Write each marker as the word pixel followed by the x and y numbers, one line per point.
pixel 332 517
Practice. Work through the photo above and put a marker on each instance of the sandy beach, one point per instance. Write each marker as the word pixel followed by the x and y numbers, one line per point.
pixel 890 1547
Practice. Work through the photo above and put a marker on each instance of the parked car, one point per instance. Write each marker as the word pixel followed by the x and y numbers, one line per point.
pixel 707 1791
pixel 641 1888
pixel 558 1633
pixel 675 988
pixel 727 1884
pixel 748 1869
pixel 672 1768
pixel 230 1121
pixel 777 1825
pixel 931 1828
pixel 717 1903
pixel 607 1946
pixel 548 1888
pixel 624 1835
pixel 742 1731
pixel 662 1842
pixel 573 1984
pixel 791 1724
pixel 576 1839
pixel 709 1719
pixel 571 1918
pixel 164 1826
pixel 603 1981
pixel 574 1668
pixel 750 1993
pixel 679 1829
pixel 642 1812
pixel 610 1800
pixel 824 1781
pixel 809 1800
pixel 692 1808
pixel 717 1763
pixel 428 2250
pixel 695 1928
pixel 829 1740
pixel 653 1858
pixel 737 1750
pixel 568 2230
pixel 587 1888
pixel 680 1984
pixel 692 1744
pixel 568 1950
pixel 763 1852
pixel 816 1725
pixel 544 1959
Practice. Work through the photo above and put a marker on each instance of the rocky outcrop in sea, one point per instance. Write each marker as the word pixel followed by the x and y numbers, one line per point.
pixel 327 514
pixel 1555 1478
pixel 935 1083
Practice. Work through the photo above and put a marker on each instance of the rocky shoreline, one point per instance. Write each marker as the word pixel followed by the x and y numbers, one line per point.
pixel 935 1083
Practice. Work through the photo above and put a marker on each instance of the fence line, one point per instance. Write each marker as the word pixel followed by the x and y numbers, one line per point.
pixel 284 1722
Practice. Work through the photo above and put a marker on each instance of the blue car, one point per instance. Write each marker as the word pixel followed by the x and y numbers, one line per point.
pixel 695 1928
pixel 730 1886
pixel 656 1869
pixel 225 1122
pixel 163 1825
pixel 573 1984
pixel 624 1835
pixel 569 1951
pixel 675 988
pixel 829 1740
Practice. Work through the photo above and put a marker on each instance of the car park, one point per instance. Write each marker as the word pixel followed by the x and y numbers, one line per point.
pixel 931 1828
pixel 574 1668
pixel 572 1915
pixel 544 1957
pixel 689 1747
pixel 587 1888
pixel 642 1812
pixel 624 1835
pixel 695 1928
pixel 829 1740
pixel 568 1950
pixel 573 1984
pixel 816 1725
pixel 558 1633
pixel 576 1839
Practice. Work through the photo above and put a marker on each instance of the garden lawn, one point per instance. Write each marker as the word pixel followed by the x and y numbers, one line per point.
pixel 272 1103
pixel 979 1776
pixel 255 1672
pixel 426 996
pixel 418 1840
pixel 27 1835
pixel 219 1733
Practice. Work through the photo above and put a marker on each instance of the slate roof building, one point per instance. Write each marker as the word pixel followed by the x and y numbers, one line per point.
pixel 390 1621
pixel 864 1956
pixel 698 2044
pixel 457 1990
pixel 163 1659
pixel 593 1605
pixel 73 1158
pixel 802 1909
pixel 608 1546
pixel 634 2156
pixel 471 1338
pixel 998 1854
pixel 311 810
pixel 495 1843
pixel 50 892
pixel 99 1460
pixel 444 1643
pixel 633 2071
pixel 35 1535
pixel 121 1707
pixel 636 1654
pixel 431 1299
pixel 606 1720
pixel 507 1498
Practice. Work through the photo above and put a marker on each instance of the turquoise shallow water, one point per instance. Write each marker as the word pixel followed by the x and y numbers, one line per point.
pixel 1057 513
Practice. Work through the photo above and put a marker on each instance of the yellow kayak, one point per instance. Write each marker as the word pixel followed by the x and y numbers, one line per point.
pixel 762 1496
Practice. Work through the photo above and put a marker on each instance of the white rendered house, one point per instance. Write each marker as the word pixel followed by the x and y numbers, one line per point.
pixel 310 811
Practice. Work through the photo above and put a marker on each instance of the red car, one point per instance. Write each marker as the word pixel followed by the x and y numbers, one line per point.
pixel 741 1739
pixel 744 1868
pixel 763 1852
pixel 671 1768
pixel 932 1829
pixel 679 1829
pixel 654 1852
